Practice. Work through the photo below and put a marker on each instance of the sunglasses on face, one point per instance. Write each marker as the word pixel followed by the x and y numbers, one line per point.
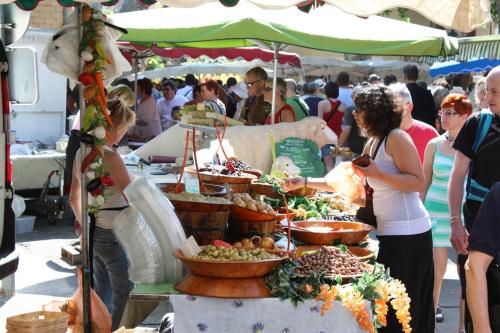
pixel 250 84
pixel 447 113
pixel 268 89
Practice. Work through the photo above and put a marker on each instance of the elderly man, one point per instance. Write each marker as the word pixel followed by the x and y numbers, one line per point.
pixel 484 247
pixel 300 108
pixel 255 110
pixel 477 145
pixel 169 101
pixel 420 132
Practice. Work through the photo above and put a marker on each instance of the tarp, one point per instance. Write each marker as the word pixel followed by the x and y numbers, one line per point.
pixel 465 67
pixel 215 26
pixel 235 53
pixel 461 15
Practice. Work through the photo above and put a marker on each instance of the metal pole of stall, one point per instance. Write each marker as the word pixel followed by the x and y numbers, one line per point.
pixel 84 239
pixel 136 66
pixel 276 47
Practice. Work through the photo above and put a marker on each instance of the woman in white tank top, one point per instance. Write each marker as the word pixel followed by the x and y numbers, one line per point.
pixel 403 224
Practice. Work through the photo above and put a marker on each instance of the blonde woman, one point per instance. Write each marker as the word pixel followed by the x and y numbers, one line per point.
pixel 284 112
pixel 110 267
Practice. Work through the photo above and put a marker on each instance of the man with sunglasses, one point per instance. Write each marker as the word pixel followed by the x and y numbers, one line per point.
pixel 255 110
pixel 170 100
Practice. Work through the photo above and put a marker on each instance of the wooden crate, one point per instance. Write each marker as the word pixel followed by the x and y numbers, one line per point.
pixel 71 254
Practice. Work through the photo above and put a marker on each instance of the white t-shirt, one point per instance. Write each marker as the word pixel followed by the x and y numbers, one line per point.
pixel 345 96
pixel 217 106
pixel 165 108
pixel 187 92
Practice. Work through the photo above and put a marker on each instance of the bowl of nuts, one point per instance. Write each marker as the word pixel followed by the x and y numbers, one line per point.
pixel 333 262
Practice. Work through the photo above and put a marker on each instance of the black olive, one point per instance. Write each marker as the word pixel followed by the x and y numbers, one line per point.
pixel 94 184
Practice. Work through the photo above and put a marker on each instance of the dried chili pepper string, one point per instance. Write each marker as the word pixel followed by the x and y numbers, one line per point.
pixel 178 188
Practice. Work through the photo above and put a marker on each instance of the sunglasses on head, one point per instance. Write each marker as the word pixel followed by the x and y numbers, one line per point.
pixel 250 84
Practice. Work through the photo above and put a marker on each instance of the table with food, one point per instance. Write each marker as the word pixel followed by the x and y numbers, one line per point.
pixel 257 258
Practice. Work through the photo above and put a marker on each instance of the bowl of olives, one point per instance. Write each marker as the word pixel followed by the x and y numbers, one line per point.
pixel 231 262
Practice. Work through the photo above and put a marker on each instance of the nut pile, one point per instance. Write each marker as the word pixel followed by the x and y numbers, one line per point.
pixel 330 260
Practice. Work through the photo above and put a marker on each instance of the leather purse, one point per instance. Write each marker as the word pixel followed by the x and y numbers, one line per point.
pixel 366 214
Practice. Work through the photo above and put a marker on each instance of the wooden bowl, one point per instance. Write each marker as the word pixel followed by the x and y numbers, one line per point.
pixel 303 192
pixel 264 189
pixel 219 179
pixel 213 190
pixel 351 233
pixel 229 269
pixel 282 215
pixel 245 214
pixel 225 288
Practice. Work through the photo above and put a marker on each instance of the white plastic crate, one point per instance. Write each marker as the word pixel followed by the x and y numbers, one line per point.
pixel 25 224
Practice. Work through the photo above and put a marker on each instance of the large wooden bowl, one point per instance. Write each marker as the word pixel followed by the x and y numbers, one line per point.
pixel 245 214
pixel 225 288
pixel 351 233
pixel 229 269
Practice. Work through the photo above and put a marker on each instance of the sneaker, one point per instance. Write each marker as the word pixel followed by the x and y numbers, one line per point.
pixel 439 315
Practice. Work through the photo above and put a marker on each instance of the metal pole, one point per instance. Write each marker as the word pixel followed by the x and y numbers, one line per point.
pixel 136 65
pixel 84 239
pixel 276 47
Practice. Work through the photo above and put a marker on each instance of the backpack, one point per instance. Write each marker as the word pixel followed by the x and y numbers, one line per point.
pixel 334 117
pixel 476 191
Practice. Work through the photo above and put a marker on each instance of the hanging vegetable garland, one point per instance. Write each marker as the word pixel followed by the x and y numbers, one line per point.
pixel 96 119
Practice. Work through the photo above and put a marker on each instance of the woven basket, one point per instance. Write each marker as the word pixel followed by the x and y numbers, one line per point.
pixel 38 322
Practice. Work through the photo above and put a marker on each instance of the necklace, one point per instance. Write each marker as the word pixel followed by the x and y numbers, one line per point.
pixel 448 137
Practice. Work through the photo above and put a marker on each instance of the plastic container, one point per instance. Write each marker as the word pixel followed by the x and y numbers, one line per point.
pixel 25 224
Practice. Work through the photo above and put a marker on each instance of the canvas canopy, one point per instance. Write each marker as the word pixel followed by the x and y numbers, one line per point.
pixel 213 25
pixel 461 15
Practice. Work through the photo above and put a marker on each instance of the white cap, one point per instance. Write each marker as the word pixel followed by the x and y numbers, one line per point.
pixel 241 90
pixel 320 83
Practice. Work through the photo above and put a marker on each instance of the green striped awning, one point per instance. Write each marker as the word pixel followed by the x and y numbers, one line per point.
pixel 472 48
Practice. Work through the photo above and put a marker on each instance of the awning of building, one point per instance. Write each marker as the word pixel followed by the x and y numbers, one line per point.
pixel 472 48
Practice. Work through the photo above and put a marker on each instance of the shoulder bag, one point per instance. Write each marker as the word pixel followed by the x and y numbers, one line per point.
pixel 366 214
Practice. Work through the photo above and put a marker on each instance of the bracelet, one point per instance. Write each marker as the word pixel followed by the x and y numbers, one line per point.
pixel 455 218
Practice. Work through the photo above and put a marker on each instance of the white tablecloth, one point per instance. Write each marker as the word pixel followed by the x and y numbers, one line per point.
pixel 31 171
pixel 217 315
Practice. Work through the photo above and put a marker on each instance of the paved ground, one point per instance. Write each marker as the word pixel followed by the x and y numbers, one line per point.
pixel 42 276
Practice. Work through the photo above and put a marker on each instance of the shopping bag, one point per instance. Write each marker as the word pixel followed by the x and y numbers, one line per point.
pixel 100 319
pixel 347 183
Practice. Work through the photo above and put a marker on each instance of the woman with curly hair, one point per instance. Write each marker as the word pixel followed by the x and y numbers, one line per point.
pixel 403 225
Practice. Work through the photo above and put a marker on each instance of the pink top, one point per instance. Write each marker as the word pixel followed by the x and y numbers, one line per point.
pixel 421 133
pixel 76 122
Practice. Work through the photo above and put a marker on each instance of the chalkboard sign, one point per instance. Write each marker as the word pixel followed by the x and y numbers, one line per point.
pixel 305 155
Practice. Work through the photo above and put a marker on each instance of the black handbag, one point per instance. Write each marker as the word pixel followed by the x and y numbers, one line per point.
pixel 493 282
pixel 366 214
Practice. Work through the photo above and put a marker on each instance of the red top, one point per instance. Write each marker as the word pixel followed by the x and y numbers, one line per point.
pixel 277 115
pixel 421 133
pixel 334 117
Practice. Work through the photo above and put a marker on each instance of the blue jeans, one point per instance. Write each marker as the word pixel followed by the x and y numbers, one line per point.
pixel 111 281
